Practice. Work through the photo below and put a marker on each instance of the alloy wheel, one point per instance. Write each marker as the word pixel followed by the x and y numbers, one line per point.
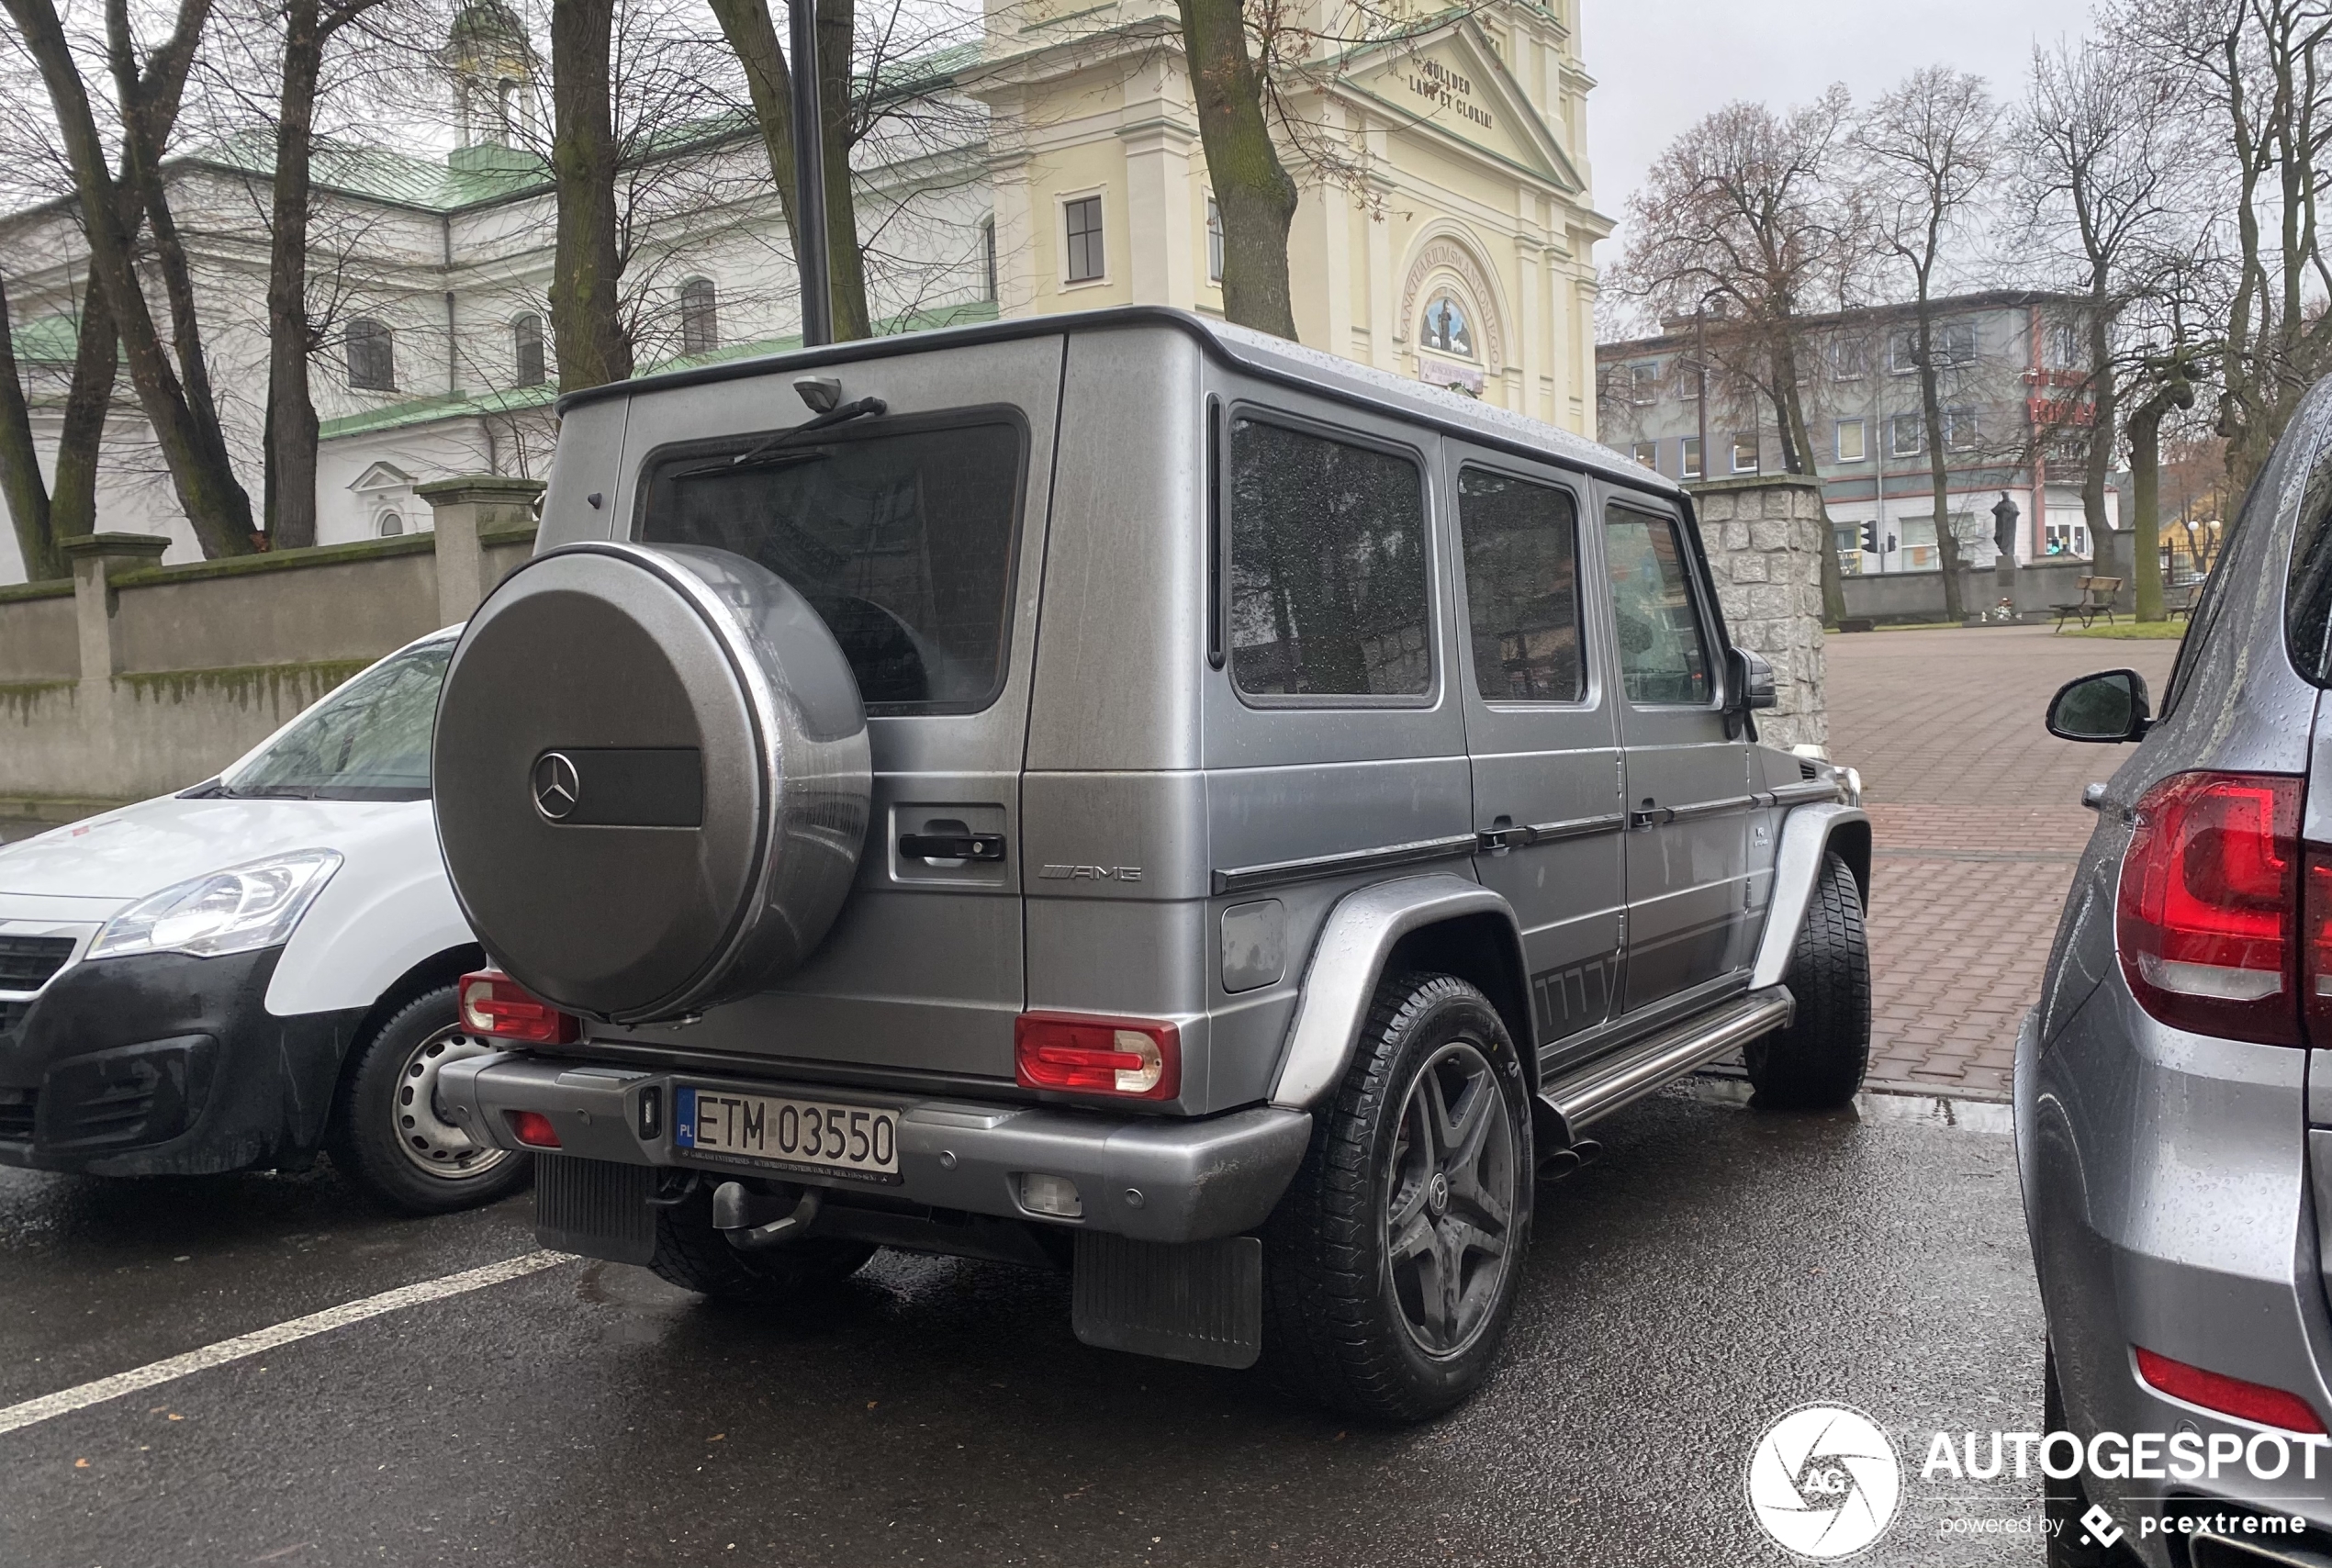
pixel 1450 1208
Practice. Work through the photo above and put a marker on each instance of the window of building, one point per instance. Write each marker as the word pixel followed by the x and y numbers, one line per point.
pixel 2061 346
pixel 1688 380
pixel 1960 430
pixel 699 317
pixel 1688 458
pixel 1849 358
pixel 1906 435
pixel 1852 441
pixel 1446 329
pixel 1955 343
pixel 1329 585
pixel 371 349
pixel 1213 241
pixel 1648 453
pixel 391 525
pixel 526 349
pixel 1521 587
pixel 1918 545
pixel 1085 255
pixel 1744 455
pixel 1902 352
pixel 988 258
pixel 1663 655
pixel 1644 382
pixel 902 541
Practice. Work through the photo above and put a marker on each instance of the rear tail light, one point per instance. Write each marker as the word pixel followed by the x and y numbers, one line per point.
pixel 2209 900
pixel 495 1006
pixel 1129 1059
pixel 2227 1395
pixel 532 1129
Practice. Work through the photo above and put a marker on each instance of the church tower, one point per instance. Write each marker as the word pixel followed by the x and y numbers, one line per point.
pixel 492 62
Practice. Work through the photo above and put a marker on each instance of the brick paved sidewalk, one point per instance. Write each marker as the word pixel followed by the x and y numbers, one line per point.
pixel 1977 819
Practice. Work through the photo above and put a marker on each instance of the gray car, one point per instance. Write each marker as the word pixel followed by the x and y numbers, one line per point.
pixel 2172 1088
pixel 1122 794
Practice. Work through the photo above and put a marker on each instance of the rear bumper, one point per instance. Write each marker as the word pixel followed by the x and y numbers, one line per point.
pixel 2167 1196
pixel 1151 1179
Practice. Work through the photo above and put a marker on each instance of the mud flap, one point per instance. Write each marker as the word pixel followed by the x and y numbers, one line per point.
pixel 1196 1301
pixel 595 1207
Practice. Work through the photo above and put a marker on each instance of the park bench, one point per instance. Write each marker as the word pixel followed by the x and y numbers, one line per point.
pixel 2097 598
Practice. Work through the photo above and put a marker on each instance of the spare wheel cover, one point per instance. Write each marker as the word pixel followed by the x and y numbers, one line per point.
pixel 651 777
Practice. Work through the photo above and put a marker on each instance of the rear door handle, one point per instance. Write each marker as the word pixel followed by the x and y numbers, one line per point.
pixel 952 846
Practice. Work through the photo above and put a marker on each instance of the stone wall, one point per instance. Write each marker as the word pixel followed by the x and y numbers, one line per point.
pixel 1765 535
pixel 134 679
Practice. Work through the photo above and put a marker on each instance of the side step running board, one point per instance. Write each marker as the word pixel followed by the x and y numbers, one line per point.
pixel 1594 1091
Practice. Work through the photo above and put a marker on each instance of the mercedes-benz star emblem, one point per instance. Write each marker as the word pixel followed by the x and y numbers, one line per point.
pixel 558 791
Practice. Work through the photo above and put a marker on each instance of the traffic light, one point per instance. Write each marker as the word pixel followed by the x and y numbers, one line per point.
pixel 1870 538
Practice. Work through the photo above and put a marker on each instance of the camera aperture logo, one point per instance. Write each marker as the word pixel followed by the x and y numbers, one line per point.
pixel 1823 1481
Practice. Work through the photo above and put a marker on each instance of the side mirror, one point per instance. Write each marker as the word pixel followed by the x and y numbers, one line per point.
pixel 1750 679
pixel 2108 708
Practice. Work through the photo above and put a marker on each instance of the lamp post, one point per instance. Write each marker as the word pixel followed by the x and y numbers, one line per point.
pixel 809 178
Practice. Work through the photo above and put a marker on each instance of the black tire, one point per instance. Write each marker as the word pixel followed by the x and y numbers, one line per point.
pixel 693 1255
pixel 2063 1502
pixel 385 1136
pixel 1347 1319
pixel 1819 1060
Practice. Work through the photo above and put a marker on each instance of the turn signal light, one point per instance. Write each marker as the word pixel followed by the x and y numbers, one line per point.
pixel 2227 1395
pixel 532 1129
pixel 2206 918
pixel 1131 1058
pixel 495 1005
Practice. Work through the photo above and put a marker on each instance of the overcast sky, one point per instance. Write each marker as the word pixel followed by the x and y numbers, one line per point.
pixel 1662 64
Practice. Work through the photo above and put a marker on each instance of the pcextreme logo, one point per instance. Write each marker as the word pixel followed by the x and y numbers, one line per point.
pixel 1824 1481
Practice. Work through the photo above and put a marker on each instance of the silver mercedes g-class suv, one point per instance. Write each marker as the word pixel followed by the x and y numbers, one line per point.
pixel 1121 793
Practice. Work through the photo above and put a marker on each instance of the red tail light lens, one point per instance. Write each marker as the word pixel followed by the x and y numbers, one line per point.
pixel 495 1005
pixel 532 1129
pixel 2205 922
pixel 2227 1395
pixel 1128 1059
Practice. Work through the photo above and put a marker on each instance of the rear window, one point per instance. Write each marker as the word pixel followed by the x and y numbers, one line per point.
pixel 1329 593
pixel 902 539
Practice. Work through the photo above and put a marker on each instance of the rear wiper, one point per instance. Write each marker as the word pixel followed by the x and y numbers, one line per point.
pixel 841 414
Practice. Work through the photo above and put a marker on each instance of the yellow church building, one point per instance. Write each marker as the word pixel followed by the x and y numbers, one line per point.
pixel 1445 226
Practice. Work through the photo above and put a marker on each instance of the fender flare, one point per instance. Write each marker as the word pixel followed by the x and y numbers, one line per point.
pixel 1807 834
pixel 1354 943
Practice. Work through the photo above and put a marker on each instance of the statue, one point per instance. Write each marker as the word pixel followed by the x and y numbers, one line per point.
pixel 2004 517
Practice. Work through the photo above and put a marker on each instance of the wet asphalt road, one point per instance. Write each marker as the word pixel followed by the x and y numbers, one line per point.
pixel 1719 1266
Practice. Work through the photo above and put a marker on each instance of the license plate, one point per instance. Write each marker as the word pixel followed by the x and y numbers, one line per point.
pixel 861 1140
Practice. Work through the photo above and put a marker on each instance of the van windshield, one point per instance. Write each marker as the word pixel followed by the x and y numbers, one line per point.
pixel 368 740
pixel 903 541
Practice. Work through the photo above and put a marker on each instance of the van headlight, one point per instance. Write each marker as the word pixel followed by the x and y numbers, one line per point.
pixel 234 910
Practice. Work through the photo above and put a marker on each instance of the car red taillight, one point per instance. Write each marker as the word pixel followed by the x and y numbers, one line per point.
pixel 532 1129
pixel 1128 1059
pixel 2227 1395
pixel 2210 895
pixel 495 1006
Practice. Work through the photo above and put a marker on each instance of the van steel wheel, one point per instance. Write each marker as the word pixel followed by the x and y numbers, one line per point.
pixel 1391 1267
pixel 390 1136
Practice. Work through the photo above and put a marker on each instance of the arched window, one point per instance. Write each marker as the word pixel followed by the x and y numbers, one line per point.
pixel 391 525
pixel 1446 328
pixel 699 317
pixel 526 348
pixel 372 355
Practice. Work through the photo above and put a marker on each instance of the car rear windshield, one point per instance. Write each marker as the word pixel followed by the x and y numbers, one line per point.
pixel 368 740
pixel 902 540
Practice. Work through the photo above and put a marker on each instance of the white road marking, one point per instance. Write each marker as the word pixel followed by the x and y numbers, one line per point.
pixel 63 1403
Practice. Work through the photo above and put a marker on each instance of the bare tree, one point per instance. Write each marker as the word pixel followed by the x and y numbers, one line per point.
pixel 1931 148
pixel 176 399
pixel 1741 216
pixel 2097 185
pixel 586 306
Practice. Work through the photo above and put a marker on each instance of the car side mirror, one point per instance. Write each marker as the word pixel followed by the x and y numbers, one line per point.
pixel 1751 681
pixel 2108 708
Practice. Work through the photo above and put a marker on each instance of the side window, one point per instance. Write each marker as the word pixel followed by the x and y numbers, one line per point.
pixel 1521 587
pixel 1663 653
pixel 1329 585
